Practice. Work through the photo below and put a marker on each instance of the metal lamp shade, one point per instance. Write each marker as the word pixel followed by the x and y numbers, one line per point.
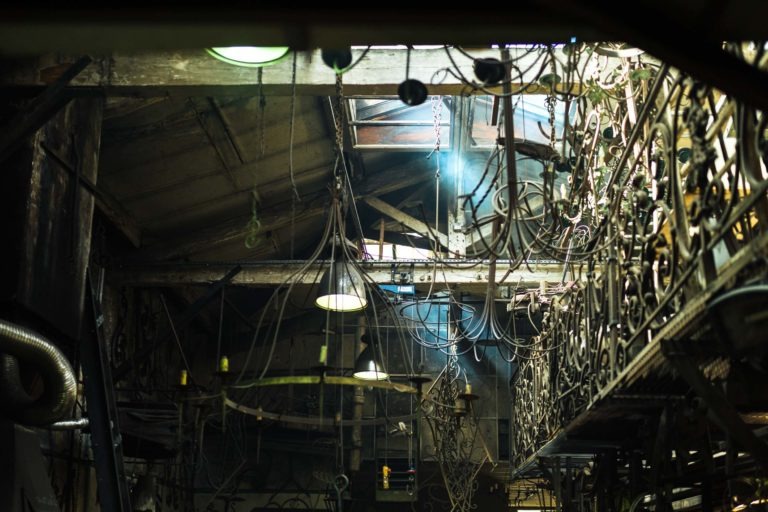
pixel 341 289
pixel 367 368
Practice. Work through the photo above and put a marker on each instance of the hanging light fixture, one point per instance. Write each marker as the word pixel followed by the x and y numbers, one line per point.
pixel 341 288
pixel 489 71
pixel 367 366
pixel 337 59
pixel 249 56
pixel 411 91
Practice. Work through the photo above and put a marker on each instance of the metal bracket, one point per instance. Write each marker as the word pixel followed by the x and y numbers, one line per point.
pixel 400 277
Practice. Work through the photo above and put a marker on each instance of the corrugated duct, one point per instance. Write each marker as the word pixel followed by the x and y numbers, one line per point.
pixel 19 343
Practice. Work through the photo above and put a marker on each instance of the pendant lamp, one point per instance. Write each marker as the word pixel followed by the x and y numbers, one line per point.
pixel 367 366
pixel 341 288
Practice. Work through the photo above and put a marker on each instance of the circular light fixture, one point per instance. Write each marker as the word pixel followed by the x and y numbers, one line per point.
pixel 412 92
pixel 366 365
pixel 550 80
pixel 337 60
pixel 489 70
pixel 249 56
pixel 341 289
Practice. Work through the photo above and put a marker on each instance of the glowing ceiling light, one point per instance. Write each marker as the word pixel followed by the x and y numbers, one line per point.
pixel 341 288
pixel 249 56
pixel 367 365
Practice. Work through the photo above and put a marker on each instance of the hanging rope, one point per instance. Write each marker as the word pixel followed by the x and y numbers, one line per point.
pixel 253 227
pixel 295 197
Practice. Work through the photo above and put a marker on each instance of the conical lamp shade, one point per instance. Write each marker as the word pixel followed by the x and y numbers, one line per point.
pixel 367 368
pixel 341 289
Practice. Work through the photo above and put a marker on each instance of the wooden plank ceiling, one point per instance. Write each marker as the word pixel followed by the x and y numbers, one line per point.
pixel 179 165
pixel 186 170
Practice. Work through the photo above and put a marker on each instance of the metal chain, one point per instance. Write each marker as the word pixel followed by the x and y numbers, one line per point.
pixel 338 154
pixel 551 102
pixel 337 112
pixel 437 116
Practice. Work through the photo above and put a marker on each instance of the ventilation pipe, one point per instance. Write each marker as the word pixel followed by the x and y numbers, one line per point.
pixel 21 344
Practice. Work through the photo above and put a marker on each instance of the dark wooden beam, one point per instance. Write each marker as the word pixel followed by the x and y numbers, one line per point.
pixel 106 204
pixel 406 220
pixel 40 109
pixel 196 73
pixel 219 136
pixel 34 28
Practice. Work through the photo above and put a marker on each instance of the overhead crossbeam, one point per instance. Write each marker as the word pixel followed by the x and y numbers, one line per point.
pixel 195 73
pixel 466 275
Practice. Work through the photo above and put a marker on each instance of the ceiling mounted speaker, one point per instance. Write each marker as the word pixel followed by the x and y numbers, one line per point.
pixel 337 59
pixel 412 92
pixel 489 70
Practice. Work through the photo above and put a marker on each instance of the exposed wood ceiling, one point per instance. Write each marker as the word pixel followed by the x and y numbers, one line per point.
pixel 183 164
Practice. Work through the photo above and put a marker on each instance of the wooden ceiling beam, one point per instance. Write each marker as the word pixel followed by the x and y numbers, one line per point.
pixel 468 275
pixel 195 73
pixel 406 220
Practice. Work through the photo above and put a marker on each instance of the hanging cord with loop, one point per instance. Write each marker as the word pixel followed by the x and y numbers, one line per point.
pixel 295 197
pixel 551 101
pixel 254 224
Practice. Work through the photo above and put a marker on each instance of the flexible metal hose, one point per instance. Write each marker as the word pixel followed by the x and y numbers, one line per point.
pixel 20 343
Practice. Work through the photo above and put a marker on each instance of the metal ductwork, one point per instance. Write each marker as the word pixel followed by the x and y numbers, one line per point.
pixel 21 344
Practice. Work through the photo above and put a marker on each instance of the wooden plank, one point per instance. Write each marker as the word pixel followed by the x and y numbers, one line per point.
pixel 466 274
pixel 205 239
pixel 55 221
pixel 195 73
pixel 405 219
pixel 105 203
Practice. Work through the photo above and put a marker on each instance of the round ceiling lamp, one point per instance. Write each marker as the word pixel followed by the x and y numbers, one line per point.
pixel 337 59
pixel 488 70
pixel 412 92
pixel 341 289
pixel 249 56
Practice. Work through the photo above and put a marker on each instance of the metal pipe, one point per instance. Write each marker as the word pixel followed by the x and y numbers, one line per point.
pixel 60 385
pixel 355 456
pixel 12 392
pixel 76 424
pixel 509 133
